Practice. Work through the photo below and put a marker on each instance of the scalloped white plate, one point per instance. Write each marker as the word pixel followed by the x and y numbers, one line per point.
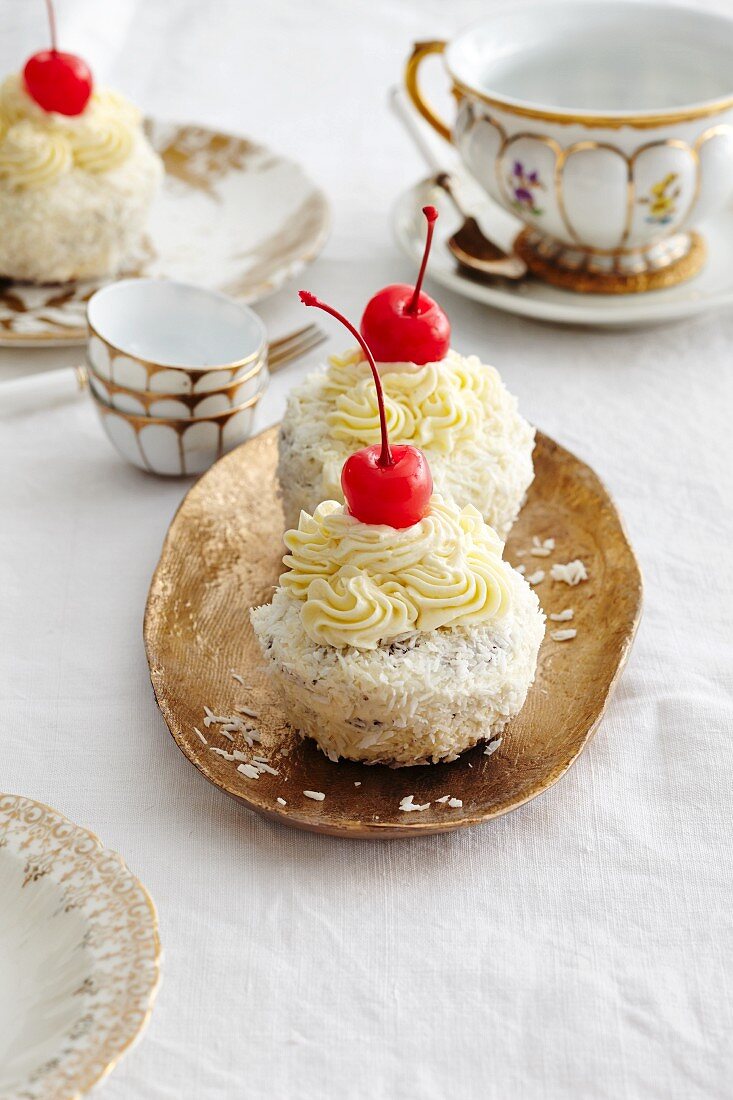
pixel 252 220
pixel 79 955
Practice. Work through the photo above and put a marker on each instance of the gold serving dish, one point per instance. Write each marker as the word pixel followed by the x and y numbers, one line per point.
pixel 222 555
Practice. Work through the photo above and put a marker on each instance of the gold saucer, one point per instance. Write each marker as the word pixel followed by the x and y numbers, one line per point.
pixel 222 555
pixel 584 279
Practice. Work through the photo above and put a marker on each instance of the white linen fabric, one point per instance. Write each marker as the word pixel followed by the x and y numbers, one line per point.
pixel 579 947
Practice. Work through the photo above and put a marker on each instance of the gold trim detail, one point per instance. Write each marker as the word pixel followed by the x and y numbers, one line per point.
pixel 121 941
pixel 179 424
pixel 420 51
pixel 190 400
pixel 151 367
pixel 641 121
pixel 585 281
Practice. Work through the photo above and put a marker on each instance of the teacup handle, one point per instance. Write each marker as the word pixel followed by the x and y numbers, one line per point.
pixel 420 51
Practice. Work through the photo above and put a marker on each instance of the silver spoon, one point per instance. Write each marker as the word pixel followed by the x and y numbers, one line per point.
pixel 474 250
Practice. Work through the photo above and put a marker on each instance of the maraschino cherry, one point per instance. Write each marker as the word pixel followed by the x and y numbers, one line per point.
pixel 57 81
pixel 381 483
pixel 403 325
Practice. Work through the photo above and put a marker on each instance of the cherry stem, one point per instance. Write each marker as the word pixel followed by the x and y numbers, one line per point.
pixel 308 299
pixel 431 216
pixel 52 24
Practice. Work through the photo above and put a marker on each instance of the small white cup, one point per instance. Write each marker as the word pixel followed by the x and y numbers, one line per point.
pixel 155 347
pixel 161 336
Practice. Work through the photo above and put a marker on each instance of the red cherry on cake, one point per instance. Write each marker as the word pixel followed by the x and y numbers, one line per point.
pixel 58 81
pixel 382 484
pixel 397 494
pixel 403 325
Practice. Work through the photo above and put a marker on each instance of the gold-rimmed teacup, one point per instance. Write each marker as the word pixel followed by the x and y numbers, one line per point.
pixel 175 447
pixel 166 337
pixel 605 127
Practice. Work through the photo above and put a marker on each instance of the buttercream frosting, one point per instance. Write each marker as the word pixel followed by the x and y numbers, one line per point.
pixel 38 146
pixel 438 405
pixel 364 585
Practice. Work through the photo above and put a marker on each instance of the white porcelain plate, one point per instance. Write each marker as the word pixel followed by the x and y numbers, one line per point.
pixel 79 955
pixel 232 216
pixel 711 289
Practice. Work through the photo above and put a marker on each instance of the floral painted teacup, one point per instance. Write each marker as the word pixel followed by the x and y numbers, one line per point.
pixel 606 127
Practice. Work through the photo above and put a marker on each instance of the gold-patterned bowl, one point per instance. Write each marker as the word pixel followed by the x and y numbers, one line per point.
pixel 172 446
pixel 79 955
pixel 166 337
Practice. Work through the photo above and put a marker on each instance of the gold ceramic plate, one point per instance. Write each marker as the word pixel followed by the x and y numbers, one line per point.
pixel 253 219
pixel 223 554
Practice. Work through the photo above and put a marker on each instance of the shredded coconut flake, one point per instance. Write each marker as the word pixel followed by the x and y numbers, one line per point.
pixel 537 576
pixel 455 803
pixel 562 616
pixel 222 753
pixel 443 799
pixel 542 549
pixel 281 801
pixel 249 770
pixel 493 746
pixel 200 736
pixel 521 569
pixel 247 711
pixel 357 783
pixel 407 804
pixel 563 635
pixel 317 796
pixel 263 766
pixel 571 572
pixel 236 676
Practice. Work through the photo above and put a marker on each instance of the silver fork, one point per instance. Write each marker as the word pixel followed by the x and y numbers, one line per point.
pixel 54 386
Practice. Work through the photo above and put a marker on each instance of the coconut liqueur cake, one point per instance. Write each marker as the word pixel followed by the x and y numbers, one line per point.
pixel 398 634
pixel 453 407
pixel 77 174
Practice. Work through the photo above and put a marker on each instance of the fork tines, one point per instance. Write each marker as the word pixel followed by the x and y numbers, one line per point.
pixel 286 348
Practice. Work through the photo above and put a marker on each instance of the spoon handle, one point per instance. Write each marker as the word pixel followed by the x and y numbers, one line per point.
pixel 51 387
pixel 400 107
pixel 497 225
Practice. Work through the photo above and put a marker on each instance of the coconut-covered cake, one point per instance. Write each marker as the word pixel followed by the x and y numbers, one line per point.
pixel 398 634
pixel 77 174
pixel 453 407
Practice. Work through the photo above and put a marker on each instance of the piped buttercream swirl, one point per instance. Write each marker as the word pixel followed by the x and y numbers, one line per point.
pixel 98 140
pixel 99 148
pixel 365 585
pixel 439 405
pixel 31 158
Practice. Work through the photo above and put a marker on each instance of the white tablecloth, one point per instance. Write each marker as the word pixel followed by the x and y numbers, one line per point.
pixel 579 947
